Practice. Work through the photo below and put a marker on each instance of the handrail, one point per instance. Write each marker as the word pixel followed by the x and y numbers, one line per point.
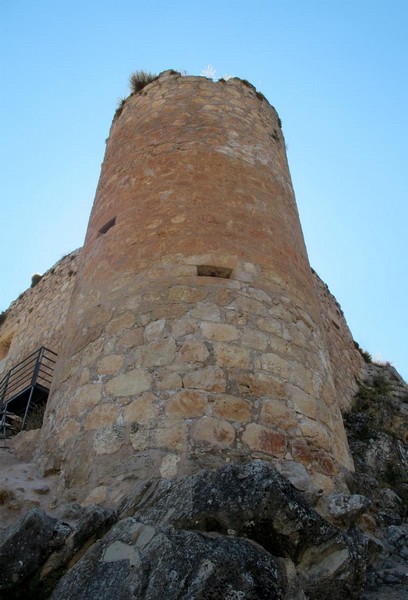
pixel 27 373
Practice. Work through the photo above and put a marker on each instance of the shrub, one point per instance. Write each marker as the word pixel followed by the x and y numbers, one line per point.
pixel 366 356
pixel 139 79
pixel 3 316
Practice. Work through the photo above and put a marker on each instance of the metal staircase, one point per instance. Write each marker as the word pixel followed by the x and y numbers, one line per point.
pixel 23 388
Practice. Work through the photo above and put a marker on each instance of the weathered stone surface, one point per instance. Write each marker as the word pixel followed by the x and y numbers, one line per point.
pixel 345 508
pixel 140 561
pixel 143 408
pixel 186 404
pixel 186 538
pixel 25 546
pixel 110 364
pixel 213 432
pixel 232 408
pixel 211 379
pixel 263 439
pixel 229 355
pixel 94 521
pixel 276 413
pixel 254 501
pixel 193 351
pixel 128 384
pixel 220 332
pixel 156 353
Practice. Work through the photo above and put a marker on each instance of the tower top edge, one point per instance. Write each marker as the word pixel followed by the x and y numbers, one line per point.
pixel 170 75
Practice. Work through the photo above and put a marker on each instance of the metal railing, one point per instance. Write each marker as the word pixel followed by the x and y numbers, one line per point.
pixel 21 382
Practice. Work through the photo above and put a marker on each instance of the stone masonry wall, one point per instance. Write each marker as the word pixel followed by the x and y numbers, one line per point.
pixel 166 369
pixel 346 361
pixel 37 317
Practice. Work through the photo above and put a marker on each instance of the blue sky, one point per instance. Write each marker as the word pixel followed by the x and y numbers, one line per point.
pixel 336 71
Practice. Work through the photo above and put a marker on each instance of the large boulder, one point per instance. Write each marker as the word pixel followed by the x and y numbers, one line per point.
pixel 242 531
pixel 256 502
pixel 139 561
pixel 24 547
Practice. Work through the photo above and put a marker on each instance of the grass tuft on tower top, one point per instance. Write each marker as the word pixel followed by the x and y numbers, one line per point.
pixel 139 79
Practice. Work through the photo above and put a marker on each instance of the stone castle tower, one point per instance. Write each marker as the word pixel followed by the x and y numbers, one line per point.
pixel 194 335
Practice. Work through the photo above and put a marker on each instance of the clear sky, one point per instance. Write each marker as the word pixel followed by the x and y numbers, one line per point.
pixel 336 71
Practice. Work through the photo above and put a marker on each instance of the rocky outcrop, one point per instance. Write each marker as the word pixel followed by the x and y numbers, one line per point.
pixel 377 428
pixel 242 531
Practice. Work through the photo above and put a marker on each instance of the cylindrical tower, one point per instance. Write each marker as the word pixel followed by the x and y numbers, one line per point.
pixel 193 336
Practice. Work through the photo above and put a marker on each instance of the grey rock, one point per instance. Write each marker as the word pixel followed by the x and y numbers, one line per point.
pixel 25 546
pixel 94 523
pixel 345 508
pixel 139 561
pixel 255 501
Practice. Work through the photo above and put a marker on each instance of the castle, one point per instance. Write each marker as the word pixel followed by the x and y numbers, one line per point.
pixel 190 329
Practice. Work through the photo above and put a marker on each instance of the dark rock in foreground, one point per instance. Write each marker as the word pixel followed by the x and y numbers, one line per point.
pixel 237 532
pixel 139 561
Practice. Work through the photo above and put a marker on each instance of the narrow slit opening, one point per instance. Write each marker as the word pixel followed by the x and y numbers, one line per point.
pixel 107 226
pixel 213 271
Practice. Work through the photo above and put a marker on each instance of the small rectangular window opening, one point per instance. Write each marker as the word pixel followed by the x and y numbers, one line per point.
pixel 213 271
pixel 107 226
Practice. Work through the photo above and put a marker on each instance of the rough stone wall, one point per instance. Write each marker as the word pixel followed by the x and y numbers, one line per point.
pixel 37 317
pixel 165 370
pixel 347 364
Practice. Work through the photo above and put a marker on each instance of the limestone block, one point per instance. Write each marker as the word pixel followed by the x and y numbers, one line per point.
pixel 248 305
pixel 110 364
pixel 211 379
pixel 302 377
pixel 171 436
pixel 275 412
pixel 130 383
pixel 229 355
pixel 219 332
pixel 263 439
pixel 213 432
pixel 169 311
pixel 314 431
pixel 100 416
pixel 84 398
pixel 143 408
pixel 260 384
pixel 270 325
pixel 68 431
pixel 254 339
pixel 84 377
pixel 131 338
pixel 154 329
pixel 222 298
pixel 301 452
pixel 193 351
pixel 168 466
pixel 156 353
pixel 168 381
pixel 108 440
pixel 182 293
pixel 187 404
pixel 183 327
pixel 324 463
pixel 119 324
pixel 206 311
pixel 232 408
pixel 98 315
pixel 303 403
pixel 140 438
pixel 274 364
